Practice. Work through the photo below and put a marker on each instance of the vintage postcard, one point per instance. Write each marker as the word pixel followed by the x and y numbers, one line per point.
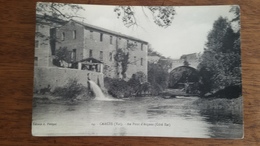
pixel 157 71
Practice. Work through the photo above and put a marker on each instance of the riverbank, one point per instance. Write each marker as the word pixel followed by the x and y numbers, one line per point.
pixel 219 103
pixel 219 109
pixel 52 99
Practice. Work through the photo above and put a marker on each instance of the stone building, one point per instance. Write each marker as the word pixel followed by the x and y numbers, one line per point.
pixel 87 41
pixel 44 47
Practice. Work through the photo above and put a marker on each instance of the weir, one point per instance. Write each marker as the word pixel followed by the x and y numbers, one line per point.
pixel 99 94
pixel 97 91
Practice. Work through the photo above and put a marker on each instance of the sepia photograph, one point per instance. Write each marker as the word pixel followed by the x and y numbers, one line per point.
pixel 153 71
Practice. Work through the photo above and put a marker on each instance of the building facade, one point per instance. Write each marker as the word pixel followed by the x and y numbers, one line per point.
pixel 88 41
pixel 43 39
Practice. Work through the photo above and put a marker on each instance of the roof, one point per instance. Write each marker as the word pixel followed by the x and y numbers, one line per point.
pixel 108 31
pixel 93 60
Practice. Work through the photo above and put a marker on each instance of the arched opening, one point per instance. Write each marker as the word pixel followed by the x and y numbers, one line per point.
pixel 184 78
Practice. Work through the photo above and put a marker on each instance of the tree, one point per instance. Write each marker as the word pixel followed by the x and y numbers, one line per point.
pixel 51 15
pixel 162 16
pixel 236 11
pixel 158 75
pixel 138 83
pixel 63 56
pixel 122 57
pixel 185 62
pixel 64 11
pixel 220 62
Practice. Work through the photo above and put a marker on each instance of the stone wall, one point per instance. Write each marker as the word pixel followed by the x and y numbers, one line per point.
pixel 58 77
pixel 68 41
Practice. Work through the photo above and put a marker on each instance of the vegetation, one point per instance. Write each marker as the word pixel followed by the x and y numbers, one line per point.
pixel 72 90
pixel 62 57
pixel 162 16
pixel 117 88
pixel 122 57
pixel 221 110
pixel 220 65
pixel 152 52
pixel 158 75
pixel 184 77
pixel 135 86
pixel 64 11
pixel 186 63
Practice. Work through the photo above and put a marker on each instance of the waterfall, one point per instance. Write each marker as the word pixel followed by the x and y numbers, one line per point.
pixel 97 91
pixel 99 94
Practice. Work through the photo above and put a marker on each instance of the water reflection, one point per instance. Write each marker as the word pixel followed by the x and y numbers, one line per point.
pixel 178 118
pixel 225 124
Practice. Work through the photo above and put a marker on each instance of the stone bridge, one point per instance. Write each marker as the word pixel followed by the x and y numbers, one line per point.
pixel 180 62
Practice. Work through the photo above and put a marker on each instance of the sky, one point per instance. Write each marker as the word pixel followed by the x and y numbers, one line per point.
pixel 187 33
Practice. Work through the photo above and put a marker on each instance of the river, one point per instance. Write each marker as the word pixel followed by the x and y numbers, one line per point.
pixel 145 116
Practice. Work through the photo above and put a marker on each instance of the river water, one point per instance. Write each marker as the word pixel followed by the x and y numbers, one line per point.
pixel 146 116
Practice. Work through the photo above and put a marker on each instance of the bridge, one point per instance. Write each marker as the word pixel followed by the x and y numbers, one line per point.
pixel 180 62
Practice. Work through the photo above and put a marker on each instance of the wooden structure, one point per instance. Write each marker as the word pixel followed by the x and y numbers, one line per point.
pixel 90 64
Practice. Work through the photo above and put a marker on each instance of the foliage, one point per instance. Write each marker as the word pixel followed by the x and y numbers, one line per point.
pixel 64 11
pixel 218 110
pixel 236 11
pixel 120 88
pixel 186 63
pixel 63 54
pixel 162 16
pixel 53 15
pixel 158 75
pixel 183 74
pixel 116 87
pixel 137 83
pixel 71 90
pixel 122 57
pixel 220 63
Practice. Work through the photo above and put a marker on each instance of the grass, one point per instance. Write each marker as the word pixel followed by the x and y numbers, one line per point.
pixel 220 103
pixel 220 109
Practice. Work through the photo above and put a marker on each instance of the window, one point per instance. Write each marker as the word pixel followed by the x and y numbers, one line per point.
pixel 110 56
pixel 101 37
pixel 62 36
pixel 127 41
pixel 74 34
pixel 91 34
pixel 134 60
pixel 141 61
pixel 111 40
pixel 36 44
pixel 73 55
pixel 90 53
pixel 135 43
pixel 35 61
pixel 142 47
pixel 101 55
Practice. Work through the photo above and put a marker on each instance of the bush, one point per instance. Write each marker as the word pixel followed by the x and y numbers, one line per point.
pixel 117 87
pixel 72 90
pixel 135 86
